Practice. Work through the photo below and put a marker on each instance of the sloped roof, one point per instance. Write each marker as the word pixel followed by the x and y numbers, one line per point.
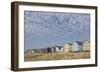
pixel 79 43
pixel 86 41
pixel 58 46
pixel 70 43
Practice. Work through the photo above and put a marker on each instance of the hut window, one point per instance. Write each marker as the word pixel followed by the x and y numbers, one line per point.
pixel 59 48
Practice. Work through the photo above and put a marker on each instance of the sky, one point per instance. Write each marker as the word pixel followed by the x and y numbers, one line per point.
pixel 46 29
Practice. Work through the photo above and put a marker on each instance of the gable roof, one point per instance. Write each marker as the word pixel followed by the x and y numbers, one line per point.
pixel 58 46
pixel 79 43
pixel 70 43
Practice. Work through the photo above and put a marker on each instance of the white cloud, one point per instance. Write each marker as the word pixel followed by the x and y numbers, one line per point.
pixel 44 23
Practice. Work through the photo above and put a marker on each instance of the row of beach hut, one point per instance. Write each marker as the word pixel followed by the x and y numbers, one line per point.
pixel 68 47
pixel 46 50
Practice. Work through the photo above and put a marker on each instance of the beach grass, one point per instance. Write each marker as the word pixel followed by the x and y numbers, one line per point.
pixel 56 56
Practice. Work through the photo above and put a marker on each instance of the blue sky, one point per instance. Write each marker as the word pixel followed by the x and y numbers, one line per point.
pixel 44 29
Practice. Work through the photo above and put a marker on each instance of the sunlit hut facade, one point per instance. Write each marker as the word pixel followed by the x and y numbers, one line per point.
pixel 29 51
pixel 77 46
pixel 86 46
pixel 58 48
pixel 55 49
pixel 67 47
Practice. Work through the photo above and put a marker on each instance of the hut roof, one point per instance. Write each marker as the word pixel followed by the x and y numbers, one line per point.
pixel 58 46
pixel 70 43
pixel 79 43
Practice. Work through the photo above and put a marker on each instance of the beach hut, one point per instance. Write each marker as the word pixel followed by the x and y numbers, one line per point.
pixel 58 49
pixel 49 50
pixel 77 46
pixel 67 47
pixel 86 46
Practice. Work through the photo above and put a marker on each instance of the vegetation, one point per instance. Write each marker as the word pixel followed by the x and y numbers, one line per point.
pixel 56 56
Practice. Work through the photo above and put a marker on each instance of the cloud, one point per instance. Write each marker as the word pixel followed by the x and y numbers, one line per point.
pixel 45 23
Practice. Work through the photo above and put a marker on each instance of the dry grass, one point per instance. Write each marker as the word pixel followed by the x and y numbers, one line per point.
pixel 56 56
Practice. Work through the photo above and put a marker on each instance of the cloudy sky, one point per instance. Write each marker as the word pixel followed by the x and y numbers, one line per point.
pixel 44 29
